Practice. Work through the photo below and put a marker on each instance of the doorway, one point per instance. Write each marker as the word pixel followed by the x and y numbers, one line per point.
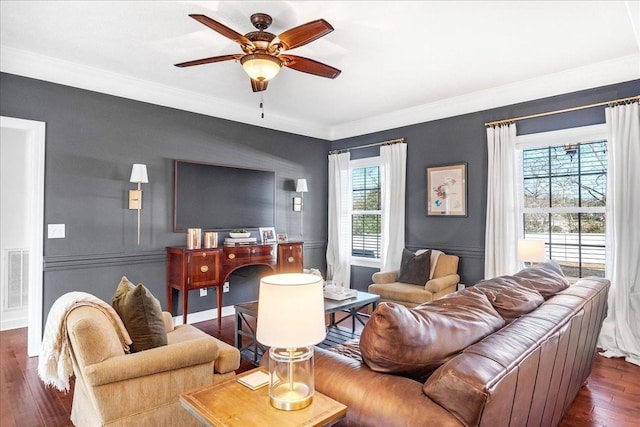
pixel 24 259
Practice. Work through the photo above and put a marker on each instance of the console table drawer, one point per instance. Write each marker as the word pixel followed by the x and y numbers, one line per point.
pixel 253 252
pixel 204 268
pixel 290 257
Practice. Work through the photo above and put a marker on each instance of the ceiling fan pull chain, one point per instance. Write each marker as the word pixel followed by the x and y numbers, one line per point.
pixel 262 104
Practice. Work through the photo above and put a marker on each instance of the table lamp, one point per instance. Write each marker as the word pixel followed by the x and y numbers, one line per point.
pixel 290 322
pixel 531 251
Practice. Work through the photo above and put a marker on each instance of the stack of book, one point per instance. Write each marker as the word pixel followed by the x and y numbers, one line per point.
pixel 239 240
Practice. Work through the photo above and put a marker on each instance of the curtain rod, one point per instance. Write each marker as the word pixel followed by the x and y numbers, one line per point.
pixel 566 110
pixel 388 142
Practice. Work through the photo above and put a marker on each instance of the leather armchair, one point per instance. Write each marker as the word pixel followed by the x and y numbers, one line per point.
pixel 118 389
pixel 443 281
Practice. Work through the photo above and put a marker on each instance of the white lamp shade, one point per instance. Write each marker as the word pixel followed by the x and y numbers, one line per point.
pixel 301 186
pixel 291 311
pixel 139 173
pixel 531 250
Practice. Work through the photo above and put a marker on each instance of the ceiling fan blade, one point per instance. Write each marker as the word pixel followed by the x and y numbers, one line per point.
pixel 303 34
pixel 257 86
pixel 222 29
pixel 310 66
pixel 208 60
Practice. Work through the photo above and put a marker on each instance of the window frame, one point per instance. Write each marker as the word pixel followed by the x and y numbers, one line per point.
pixel 582 134
pixel 375 161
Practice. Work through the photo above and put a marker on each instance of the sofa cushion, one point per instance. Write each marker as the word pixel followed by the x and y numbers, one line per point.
pixel 413 342
pixel 508 296
pixel 141 314
pixel 546 278
pixel 415 269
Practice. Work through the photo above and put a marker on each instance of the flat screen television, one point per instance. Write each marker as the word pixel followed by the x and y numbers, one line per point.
pixel 218 197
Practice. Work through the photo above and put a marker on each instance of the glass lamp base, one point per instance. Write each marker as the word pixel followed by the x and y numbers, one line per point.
pixel 291 398
pixel 291 385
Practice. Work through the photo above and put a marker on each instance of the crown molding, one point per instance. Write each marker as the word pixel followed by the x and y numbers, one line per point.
pixel 41 67
pixel 619 70
pixel 20 62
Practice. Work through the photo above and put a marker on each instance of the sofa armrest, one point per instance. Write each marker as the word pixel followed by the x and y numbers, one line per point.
pixel 385 276
pixel 152 361
pixel 442 283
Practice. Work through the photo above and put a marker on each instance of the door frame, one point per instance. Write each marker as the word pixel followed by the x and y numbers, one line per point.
pixel 35 139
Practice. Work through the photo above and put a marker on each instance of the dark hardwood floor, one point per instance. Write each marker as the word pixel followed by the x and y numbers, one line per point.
pixel 611 397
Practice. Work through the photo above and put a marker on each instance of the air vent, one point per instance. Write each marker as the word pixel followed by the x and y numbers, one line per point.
pixel 16 285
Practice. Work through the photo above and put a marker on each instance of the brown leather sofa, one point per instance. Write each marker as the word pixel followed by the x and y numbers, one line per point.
pixel 406 370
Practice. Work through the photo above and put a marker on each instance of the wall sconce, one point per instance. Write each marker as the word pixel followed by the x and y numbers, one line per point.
pixel 138 175
pixel 531 251
pixel 298 202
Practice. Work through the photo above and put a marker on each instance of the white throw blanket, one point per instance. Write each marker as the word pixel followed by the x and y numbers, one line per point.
pixel 54 364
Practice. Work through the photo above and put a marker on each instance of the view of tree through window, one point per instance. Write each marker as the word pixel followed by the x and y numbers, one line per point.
pixel 564 204
pixel 366 212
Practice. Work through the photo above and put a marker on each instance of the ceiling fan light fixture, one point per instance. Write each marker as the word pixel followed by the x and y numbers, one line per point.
pixel 260 66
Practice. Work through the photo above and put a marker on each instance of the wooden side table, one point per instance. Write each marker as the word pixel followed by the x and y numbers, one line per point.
pixel 229 403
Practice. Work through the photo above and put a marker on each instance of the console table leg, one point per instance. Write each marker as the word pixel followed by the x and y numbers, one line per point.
pixel 185 300
pixel 219 302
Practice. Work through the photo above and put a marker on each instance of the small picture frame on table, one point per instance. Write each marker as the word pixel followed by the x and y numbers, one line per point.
pixel 268 234
pixel 282 237
pixel 447 190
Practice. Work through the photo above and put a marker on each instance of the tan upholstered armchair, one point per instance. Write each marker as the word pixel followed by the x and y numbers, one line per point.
pixel 443 280
pixel 117 389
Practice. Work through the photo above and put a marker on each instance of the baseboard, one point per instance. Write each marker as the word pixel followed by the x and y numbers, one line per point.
pixel 8 324
pixel 203 316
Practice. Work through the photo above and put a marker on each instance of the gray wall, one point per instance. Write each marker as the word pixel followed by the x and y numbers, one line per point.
pixel 92 140
pixel 463 139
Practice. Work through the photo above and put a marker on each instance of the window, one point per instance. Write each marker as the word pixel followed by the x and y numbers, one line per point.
pixel 564 186
pixel 366 213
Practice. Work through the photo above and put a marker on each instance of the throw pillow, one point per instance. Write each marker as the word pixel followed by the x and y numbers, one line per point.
pixel 413 342
pixel 414 268
pixel 508 296
pixel 546 278
pixel 141 314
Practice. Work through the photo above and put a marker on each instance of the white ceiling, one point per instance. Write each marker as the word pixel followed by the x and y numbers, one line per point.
pixel 402 62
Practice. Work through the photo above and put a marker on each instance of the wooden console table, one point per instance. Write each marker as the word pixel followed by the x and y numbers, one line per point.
pixel 189 269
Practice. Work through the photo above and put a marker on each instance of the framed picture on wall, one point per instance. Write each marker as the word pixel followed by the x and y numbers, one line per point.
pixel 268 234
pixel 447 190
pixel 282 237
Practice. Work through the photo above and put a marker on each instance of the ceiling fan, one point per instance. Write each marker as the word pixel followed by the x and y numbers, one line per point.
pixel 263 55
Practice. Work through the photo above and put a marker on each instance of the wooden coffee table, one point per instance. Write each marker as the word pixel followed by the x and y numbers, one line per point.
pixel 229 403
pixel 247 312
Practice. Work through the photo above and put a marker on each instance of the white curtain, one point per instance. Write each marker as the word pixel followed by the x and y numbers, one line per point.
pixel 502 230
pixel 394 169
pixel 620 335
pixel 339 245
